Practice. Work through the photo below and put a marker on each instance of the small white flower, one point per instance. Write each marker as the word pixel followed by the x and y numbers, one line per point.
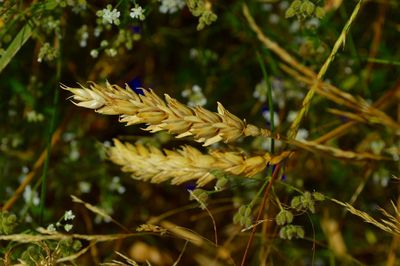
pixel 377 146
pixel 111 52
pixel 109 15
pixel 294 27
pixel 116 185
pixel 382 177
pixel 171 6
pixel 291 116
pixel 302 134
pixel 103 43
pixel 185 93
pixel 68 136
pixel 33 116
pixel 31 196
pixel 196 88
pixel 267 116
pixel 97 31
pixel 28 219
pixel 283 5
pixel 137 12
pixel 94 53
pixel 260 91
pixel 266 144
pixel 266 7
pixel 51 228
pixel 84 187
pixel 274 18
pixel 68 227
pixel 193 53
pixel 69 215
pixel 74 153
pixel 84 35
pixel 312 23
pixel 195 96
pixel 25 169
pixel 107 144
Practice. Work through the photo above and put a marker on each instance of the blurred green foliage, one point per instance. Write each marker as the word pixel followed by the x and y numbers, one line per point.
pixel 200 52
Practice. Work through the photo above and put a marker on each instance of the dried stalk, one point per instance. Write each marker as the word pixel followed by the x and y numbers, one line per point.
pixel 374 115
pixel 364 111
pixel 307 99
pixel 273 46
pixel 313 146
pixel 390 225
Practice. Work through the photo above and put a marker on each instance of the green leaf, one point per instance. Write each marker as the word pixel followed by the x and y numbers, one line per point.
pixel 23 35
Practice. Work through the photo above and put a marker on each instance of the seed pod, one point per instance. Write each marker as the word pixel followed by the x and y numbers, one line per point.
pixel 318 196
pixel 242 210
pixel 296 203
pixel 247 212
pixel 309 8
pixel 290 12
pixel 319 12
pixel 296 5
pixel 284 217
pixel 236 218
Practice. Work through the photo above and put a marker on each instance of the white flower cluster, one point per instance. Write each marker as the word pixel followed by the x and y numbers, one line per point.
pixel 195 96
pixel 109 15
pixel 278 97
pixel 31 196
pixel 47 53
pixel 33 116
pixel 68 216
pixel 279 94
pixel 171 6
pixel 381 177
pixel 116 185
pixel 137 12
pixel 83 36
pixel 302 134
pixel 267 116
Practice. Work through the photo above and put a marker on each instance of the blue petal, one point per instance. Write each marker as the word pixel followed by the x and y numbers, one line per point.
pixel 136 29
pixel 190 186
pixel 136 85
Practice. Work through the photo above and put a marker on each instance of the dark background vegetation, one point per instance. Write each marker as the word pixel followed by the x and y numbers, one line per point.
pixel 227 70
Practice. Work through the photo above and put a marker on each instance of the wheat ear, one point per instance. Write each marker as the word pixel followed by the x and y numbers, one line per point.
pixel 170 115
pixel 186 163
pixel 176 118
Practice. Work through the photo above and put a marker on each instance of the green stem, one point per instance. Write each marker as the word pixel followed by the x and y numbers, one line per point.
pixel 49 136
pixel 383 61
pixel 251 204
pixel 270 102
pixel 22 37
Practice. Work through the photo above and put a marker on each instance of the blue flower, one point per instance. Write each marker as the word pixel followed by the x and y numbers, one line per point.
pixel 136 85
pixel 190 186
pixel 136 29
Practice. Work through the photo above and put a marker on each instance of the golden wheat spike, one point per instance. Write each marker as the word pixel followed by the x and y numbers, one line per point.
pixel 185 164
pixel 170 115
pixel 176 118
